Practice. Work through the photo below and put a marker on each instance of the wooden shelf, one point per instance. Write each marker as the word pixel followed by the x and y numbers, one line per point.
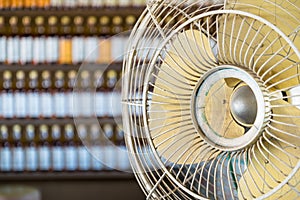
pixel 65 176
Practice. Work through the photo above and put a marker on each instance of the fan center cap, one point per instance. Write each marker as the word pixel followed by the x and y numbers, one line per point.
pixel 230 107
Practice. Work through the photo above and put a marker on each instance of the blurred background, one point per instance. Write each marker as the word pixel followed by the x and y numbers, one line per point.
pixel 43 44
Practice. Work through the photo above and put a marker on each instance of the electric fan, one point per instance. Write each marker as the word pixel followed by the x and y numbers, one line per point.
pixel 211 99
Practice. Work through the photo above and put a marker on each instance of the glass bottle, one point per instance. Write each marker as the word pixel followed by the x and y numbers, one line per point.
pixel 31 153
pixel 59 95
pixel 39 41
pixel 3 40
pixel 111 95
pixel 57 151
pixel 20 104
pixel 118 41
pixel 71 162
pixel 85 98
pixel 78 40
pixel 84 157
pixel 18 155
pixel 26 41
pixel 110 146
pixel 33 97
pixel 130 21
pixel 123 160
pixel 7 96
pixel 105 56
pixel 97 148
pixel 52 41
pixel 5 153
pixel 65 41
pixel 46 102
pixel 101 108
pixel 44 151
pixel 13 41
pixel 91 41
pixel 57 4
pixel 71 109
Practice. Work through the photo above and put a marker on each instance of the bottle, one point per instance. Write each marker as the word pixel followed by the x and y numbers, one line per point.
pixel 84 157
pixel 123 160
pixel 57 151
pixel 46 103
pixel 39 41
pixel 78 46
pixel 91 41
pixel 130 21
pixel 101 109
pixel 33 97
pixel 30 4
pixel 110 3
pixel 124 3
pixel 7 96
pixel 44 151
pixel 5 4
pixel 118 41
pixel 86 106
pixel 69 3
pixel 114 96
pixel 57 4
pixel 71 109
pixel 16 4
pixel 18 154
pixel 97 3
pixel 20 103
pixel 26 41
pixel 110 146
pixel 31 153
pixel 105 56
pixel 3 40
pixel 138 3
pixel 71 162
pixel 97 148
pixel 65 41
pixel 13 41
pixel 43 4
pixel 85 3
pixel 59 95
pixel 52 41
pixel 5 153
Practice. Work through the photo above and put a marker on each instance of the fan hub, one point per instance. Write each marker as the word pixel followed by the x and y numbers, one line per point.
pixel 218 105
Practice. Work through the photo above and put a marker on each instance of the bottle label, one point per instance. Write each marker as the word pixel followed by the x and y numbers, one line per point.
pixel 92 49
pixel 117 50
pixel 31 155
pixel 116 108
pixel 18 159
pixel 56 3
pixel 39 49
pixel 70 158
pixel 111 156
pixel 100 104
pixel 58 158
pixel 98 3
pixel 52 49
pixel 13 49
pixel 26 49
pixel 124 2
pixel 78 49
pixel 46 104
pixel 70 110
pixel 84 2
pixel 3 49
pixel 8 106
pixel 123 160
pixel 44 158
pixel 5 159
pixel 33 104
pixel 111 3
pixel 20 104
pixel 86 104
pixel 59 104
pixel 84 159
pixel 97 158
pixel 69 3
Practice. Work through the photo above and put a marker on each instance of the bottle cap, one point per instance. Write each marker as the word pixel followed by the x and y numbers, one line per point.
pixel 65 20
pixel 78 20
pixel 59 74
pixel 104 20
pixel 72 74
pixel 52 20
pixel 7 74
pixel 69 131
pixel 4 129
pixel 43 128
pixel 95 131
pixel 92 20
pixel 82 132
pixel 20 74
pixel 33 74
pixel 130 19
pixel 26 20
pixel 117 20
pixel 46 74
pixel 17 132
pixel 56 131
pixel 13 20
pixel 111 74
pixel 39 20
pixel 108 130
pixel 85 74
pixel 30 128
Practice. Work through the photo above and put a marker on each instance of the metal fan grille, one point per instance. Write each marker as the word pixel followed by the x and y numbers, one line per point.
pixel 172 154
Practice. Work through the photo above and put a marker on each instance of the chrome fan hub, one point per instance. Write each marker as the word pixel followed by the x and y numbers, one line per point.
pixel 230 107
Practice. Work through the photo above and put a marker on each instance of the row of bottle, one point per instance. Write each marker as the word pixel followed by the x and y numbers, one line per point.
pixel 42 96
pixel 45 4
pixel 65 25
pixel 59 148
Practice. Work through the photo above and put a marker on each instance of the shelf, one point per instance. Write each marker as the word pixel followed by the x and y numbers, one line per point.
pixel 55 67
pixel 63 121
pixel 87 11
pixel 65 176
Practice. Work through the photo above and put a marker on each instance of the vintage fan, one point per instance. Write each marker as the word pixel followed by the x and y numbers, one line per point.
pixel 211 99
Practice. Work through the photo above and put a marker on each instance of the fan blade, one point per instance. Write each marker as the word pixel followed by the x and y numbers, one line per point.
pixel 247 42
pixel 274 157
pixel 188 57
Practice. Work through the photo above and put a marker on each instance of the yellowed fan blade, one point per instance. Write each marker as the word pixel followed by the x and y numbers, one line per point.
pixel 170 115
pixel 267 166
pixel 236 44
